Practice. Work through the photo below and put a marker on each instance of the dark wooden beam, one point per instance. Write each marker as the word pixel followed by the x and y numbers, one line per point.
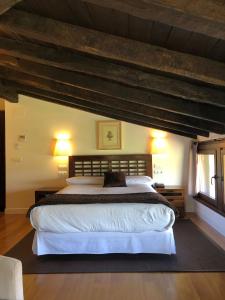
pixel 113 116
pixel 7 4
pixel 69 60
pixel 82 100
pixel 113 47
pixel 203 16
pixel 64 82
pixel 97 109
pixel 143 109
pixel 87 65
pixel 7 93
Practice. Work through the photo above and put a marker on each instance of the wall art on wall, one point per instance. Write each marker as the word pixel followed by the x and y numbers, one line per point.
pixel 108 135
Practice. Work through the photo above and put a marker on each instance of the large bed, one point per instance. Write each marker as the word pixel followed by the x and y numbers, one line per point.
pixel 102 226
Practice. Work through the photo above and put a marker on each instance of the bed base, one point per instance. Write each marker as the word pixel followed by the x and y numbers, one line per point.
pixel 104 242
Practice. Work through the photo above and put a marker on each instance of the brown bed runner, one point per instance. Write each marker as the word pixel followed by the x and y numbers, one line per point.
pixel 59 199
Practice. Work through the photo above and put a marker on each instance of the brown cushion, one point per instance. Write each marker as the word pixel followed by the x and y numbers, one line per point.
pixel 114 179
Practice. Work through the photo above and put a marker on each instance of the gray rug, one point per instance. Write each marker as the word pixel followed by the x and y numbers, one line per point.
pixel 195 253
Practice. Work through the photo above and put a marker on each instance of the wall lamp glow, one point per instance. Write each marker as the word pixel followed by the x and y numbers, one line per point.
pixel 62 147
pixel 61 150
pixel 158 146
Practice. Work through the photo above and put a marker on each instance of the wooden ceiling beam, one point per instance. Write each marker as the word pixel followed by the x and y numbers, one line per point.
pixel 7 4
pixel 87 65
pixel 109 114
pixel 7 93
pixel 97 109
pixel 65 82
pixel 203 16
pixel 83 100
pixel 113 47
pixel 111 71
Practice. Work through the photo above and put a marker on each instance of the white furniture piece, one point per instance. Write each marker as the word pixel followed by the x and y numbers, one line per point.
pixel 11 279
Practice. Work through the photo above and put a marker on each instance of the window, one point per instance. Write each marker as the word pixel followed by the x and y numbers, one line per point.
pixel 206 171
pixel 210 175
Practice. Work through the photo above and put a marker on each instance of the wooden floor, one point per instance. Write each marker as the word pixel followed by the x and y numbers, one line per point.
pixel 130 286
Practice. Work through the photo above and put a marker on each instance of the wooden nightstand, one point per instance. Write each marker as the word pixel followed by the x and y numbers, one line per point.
pixel 39 194
pixel 174 194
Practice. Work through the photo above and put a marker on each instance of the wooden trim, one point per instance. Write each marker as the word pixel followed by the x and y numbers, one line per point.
pixel 113 47
pixel 210 144
pixel 214 147
pixel 205 17
pixel 8 93
pixel 2 162
pixel 209 205
pixel 107 70
pixel 96 165
pixel 16 211
pixel 207 199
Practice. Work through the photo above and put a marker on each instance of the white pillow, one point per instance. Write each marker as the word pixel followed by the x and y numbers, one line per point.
pixel 88 180
pixel 139 180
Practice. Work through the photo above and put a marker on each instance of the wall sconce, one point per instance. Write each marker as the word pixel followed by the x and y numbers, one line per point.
pixel 62 149
pixel 158 146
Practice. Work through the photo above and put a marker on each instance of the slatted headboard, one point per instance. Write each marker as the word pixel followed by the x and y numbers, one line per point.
pixel 96 165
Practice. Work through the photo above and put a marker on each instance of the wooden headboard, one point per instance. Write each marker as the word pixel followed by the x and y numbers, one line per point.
pixel 96 165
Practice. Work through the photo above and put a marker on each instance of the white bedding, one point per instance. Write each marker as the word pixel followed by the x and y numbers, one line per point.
pixel 109 217
pixel 104 242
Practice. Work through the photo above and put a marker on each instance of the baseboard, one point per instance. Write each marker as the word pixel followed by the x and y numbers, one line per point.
pixel 21 211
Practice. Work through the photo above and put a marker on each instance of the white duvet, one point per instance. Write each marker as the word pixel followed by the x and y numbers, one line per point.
pixel 108 217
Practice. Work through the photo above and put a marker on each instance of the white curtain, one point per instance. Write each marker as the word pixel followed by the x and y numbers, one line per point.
pixel 192 175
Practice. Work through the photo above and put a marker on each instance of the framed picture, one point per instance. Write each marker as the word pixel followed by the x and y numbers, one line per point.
pixel 108 135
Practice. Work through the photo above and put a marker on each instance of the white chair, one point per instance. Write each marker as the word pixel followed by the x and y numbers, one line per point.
pixel 11 279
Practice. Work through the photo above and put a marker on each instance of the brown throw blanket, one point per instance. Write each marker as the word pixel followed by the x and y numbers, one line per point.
pixel 59 199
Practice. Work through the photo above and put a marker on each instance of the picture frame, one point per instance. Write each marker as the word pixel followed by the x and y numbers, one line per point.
pixel 108 134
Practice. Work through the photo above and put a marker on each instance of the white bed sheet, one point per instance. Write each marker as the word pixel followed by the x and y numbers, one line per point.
pixel 108 217
pixel 104 242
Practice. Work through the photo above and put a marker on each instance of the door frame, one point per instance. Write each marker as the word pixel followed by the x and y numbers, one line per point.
pixel 2 162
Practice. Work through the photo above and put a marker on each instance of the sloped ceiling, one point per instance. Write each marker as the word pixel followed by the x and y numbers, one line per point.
pixel 159 64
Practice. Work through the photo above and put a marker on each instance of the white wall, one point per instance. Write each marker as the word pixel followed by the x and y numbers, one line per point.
pixel 30 164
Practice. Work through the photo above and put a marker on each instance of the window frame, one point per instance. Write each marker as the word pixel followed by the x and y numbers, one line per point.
pixel 201 195
pixel 216 147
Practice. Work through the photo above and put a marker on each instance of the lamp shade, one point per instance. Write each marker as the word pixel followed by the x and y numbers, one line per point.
pixel 62 147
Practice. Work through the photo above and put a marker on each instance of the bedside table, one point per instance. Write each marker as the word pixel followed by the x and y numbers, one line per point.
pixel 39 194
pixel 174 194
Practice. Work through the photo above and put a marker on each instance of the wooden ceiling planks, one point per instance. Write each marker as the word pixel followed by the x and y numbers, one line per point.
pixel 203 16
pixel 123 24
pixel 7 4
pixel 68 60
pixel 113 48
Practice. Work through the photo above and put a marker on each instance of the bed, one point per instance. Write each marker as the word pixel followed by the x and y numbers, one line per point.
pixel 104 226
